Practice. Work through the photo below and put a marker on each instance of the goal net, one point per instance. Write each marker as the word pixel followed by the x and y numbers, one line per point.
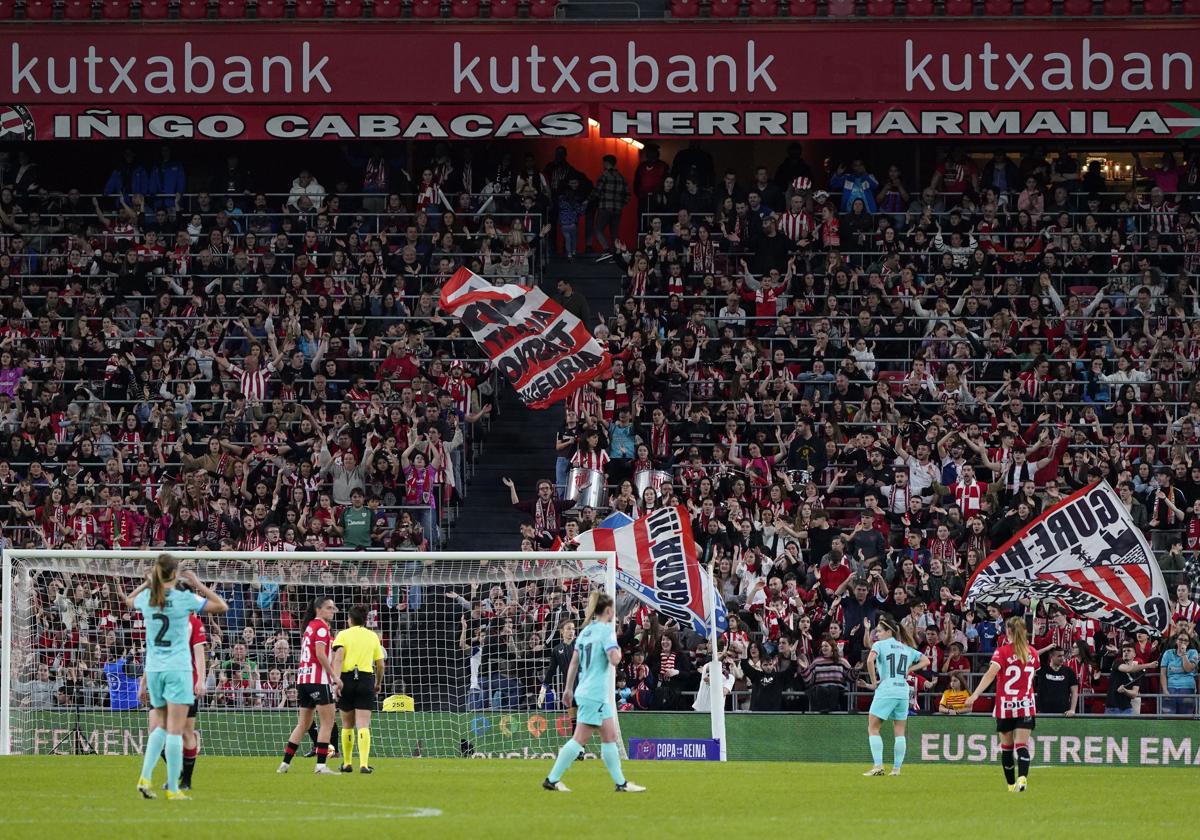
pixel 468 639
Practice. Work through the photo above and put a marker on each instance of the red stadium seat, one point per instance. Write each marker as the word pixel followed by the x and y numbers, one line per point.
pixel 893 378
pixel 115 9
pixel 154 9
pixel 426 9
pixel 387 8
pixel 464 8
pixel 1077 8
pixel 347 8
pixel 998 8
pixel 881 8
pixel 231 9
pixel 764 8
pixel 918 8
pixel 1156 7
pixel 270 9
pixel 1085 292
pixel 960 8
pixel 503 9
pixel 1189 7
pixel 685 8
pixel 723 8
pixel 543 9
pixel 310 9
pixel 8 9
pixel 77 10
pixel 1039 8
pixel 1118 8
pixel 39 9
pixel 193 9
pixel 841 8
pixel 983 704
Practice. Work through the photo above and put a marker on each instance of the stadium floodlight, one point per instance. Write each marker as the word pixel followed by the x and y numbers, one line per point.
pixel 466 634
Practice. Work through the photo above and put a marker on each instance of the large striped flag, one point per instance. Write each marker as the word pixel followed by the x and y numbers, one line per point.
pixel 657 565
pixel 543 350
pixel 1086 553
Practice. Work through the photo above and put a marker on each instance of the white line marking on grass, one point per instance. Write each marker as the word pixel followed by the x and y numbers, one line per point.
pixel 179 814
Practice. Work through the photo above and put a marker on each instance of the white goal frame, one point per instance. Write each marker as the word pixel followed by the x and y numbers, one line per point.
pixel 8 557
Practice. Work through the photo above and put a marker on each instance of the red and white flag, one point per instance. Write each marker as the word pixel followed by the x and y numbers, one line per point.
pixel 1086 553
pixel 543 350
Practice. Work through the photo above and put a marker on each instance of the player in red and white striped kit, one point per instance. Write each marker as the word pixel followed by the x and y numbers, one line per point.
pixel 315 679
pixel 1014 667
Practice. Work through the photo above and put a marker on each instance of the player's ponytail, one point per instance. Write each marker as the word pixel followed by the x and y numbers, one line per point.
pixel 1018 637
pixel 598 602
pixel 898 630
pixel 310 614
pixel 161 574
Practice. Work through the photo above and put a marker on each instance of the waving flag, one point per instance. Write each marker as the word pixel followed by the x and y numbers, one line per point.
pixel 543 350
pixel 656 563
pixel 1086 553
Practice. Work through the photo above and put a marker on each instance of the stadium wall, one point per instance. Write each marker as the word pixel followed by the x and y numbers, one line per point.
pixel 752 737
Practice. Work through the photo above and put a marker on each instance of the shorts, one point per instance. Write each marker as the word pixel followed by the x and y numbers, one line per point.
pixel 1013 724
pixel 173 687
pixel 358 692
pixel 890 708
pixel 594 712
pixel 311 695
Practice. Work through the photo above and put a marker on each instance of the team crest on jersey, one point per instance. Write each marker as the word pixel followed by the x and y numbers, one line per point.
pixel 16 123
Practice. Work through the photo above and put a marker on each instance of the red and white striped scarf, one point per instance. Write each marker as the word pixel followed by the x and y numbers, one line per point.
pixel 616 397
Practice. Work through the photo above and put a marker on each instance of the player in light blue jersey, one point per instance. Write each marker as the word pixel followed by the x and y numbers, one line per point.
pixel 891 660
pixel 596 654
pixel 166 611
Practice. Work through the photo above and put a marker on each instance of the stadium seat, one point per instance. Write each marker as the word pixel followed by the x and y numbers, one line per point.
pixel 39 9
pixel 115 9
pixel 764 8
pixel 347 8
pixel 1038 8
pixel 893 378
pixel 270 9
pixel 881 8
pixel 543 9
pixel 960 8
pixel 1085 292
pixel 387 8
pixel 723 8
pixel 154 9
pixel 1118 8
pixel 918 8
pixel 998 8
pixel 503 9
pixel 841 8
pixel 77 10
pixel 193 9
pixel 983 704
pixel 685 8
pixel 801 9
pixel 426 9
pixel 464 8
pixel 231 9
pixel 1156 7
pixel 1077 8
pixel 1189 7
pixel 310 9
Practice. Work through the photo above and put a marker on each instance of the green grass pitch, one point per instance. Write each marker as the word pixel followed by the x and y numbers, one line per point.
pixel 51 797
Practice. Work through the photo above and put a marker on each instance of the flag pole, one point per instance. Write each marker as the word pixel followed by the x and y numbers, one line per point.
pixel 716 680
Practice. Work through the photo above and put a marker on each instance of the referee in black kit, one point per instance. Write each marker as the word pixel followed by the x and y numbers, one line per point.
pixel 358 656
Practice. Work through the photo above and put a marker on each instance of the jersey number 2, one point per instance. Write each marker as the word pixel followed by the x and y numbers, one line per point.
pixel 160 638
pixel 1013 675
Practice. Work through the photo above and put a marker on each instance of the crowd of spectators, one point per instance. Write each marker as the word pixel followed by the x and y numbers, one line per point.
pixel 860 385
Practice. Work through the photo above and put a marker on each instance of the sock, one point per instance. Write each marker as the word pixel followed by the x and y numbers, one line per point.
pixel 312 733
pixel 333 736
pixel 289 752
pixel 1022 760
pixel 174 761
pixel 876 742
pixel 154 747
pixel 1006 761
pixel 566 757
pixel 189 765
pixel 322 751
pixel 612 760
pixel 364 748
pixel 901 749
pixel 347 745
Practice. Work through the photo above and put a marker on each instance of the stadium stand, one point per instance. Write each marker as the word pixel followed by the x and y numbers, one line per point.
pixel 858 383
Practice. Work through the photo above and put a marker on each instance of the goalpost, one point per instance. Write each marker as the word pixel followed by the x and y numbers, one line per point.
pixel 467 637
